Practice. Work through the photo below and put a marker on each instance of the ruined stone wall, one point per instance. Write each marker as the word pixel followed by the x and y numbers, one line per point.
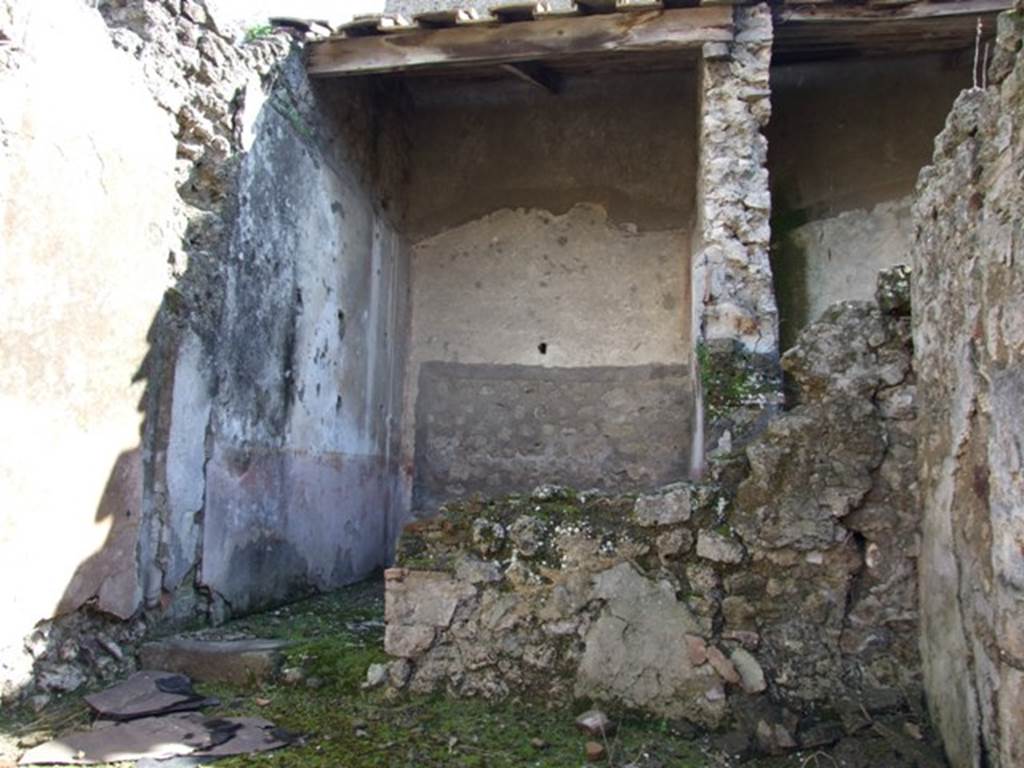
pixel 231 272
pixel 846 142
pixel 776 598
pixel 550 321
pixel 969 352
pixel 732 276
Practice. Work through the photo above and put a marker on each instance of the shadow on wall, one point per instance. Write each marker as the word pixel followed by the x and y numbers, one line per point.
pixel 266 464
pixel 110 575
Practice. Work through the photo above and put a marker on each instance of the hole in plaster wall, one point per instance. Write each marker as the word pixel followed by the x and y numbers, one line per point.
pixel 543 347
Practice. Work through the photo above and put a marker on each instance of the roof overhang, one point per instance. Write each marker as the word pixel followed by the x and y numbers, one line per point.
pixel 547 40
pixel 529 41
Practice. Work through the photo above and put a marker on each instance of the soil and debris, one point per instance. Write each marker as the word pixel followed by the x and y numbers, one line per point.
pixel 320 695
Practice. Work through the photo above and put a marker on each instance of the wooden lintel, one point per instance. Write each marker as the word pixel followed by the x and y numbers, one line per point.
pixel 543 39
pixel 920 11
pixel 535 74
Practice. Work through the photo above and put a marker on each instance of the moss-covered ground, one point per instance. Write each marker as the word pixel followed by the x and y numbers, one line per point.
pixel 337 724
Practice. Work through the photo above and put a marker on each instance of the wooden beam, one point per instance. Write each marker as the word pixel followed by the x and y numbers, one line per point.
pixel 819 33
pixel 543 39
pixel 830 14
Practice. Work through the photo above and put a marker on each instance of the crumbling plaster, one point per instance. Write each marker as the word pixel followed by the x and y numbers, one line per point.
pixel 553 247
pixel 302 481
pixel 301 227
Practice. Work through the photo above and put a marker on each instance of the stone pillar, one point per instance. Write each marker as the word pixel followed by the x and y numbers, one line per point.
pixel 735 314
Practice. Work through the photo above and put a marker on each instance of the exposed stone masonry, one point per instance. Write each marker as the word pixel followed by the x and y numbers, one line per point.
pixel 969 352
pixel 777 595
pixel 736 317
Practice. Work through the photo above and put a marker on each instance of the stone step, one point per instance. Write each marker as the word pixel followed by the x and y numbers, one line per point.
pixel 240 662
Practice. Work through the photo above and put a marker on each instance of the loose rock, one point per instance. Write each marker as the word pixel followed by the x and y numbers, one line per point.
pixel 594 751
pixel 722 665
pixel 595 723
pixel 527 533
pixel 750 672
pixel 376 676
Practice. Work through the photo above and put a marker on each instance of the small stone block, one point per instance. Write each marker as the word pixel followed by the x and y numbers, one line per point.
pixel 594 752
pixel 240 662
pixel 595 723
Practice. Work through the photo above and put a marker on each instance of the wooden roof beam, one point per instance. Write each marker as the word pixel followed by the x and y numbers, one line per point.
pixel 487 44
pixel 879 12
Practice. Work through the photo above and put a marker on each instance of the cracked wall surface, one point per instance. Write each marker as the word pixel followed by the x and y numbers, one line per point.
pixel 303 483
pixel 969 352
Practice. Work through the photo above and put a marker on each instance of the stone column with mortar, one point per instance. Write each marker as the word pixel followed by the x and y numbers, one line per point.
pixel 735 313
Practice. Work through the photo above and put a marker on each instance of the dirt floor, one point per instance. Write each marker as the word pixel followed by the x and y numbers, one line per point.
pixel 338 724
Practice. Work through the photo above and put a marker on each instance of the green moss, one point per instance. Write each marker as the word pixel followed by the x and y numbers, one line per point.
pixel 337 663
pixel 728 381
pixel 339 724
pixel 340 616
pixel 437 543
pixel 258 32
pixel 439 731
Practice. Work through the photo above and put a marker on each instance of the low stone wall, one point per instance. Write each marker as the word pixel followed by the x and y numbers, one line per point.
pixel 776 597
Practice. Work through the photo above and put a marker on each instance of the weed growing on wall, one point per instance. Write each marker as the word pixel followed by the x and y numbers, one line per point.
pixel 729 381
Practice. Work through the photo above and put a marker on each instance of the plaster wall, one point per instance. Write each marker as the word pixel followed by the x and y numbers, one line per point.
pixel 553 245
pixel 846 143
pixel 841 253
pixel 84 209
pixel 302 484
